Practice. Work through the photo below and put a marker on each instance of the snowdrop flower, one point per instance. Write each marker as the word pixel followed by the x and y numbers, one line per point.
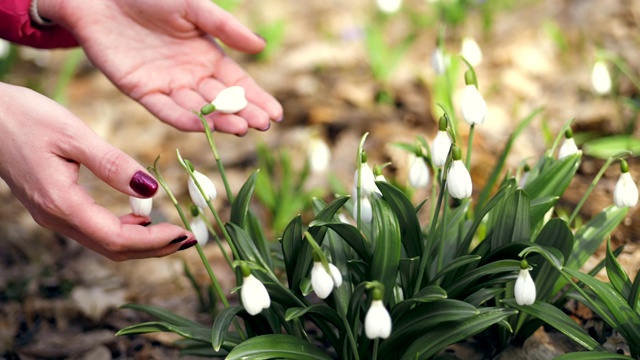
pixel 199 229
pixel 228 101
pixel 600 78
pixel 458 178
pixel 626 192
pixel 366 210
pixel 323 282
pixel 471 51
pixel 140 207
pixel 207 186
pixel 568 146
pixel 439 61
pixel 254 294
pixel 319 155
pixel 418 173
pixel 441 144
pixel 474 108
pixel 525 288
pixel 5 47
pixel 389 6
pixel 377 322
pixel 368 185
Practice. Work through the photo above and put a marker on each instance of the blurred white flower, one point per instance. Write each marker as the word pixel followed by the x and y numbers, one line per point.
pixel 600 78
pixel 471 51
pixel 5 47
pixel 474 108
pixel 230 100
pixel 377 322
pixel 40 57
pixel 389 6
pixel 368 185
pixel 440 148
pixel 418 173
pixel 254 295
pixel 439 61
pixel 366 210
pixel 207 186
pixel 319 155
pixel 199 229
pixel 322 282
pixel 140 207
pixel 568 146
pixel 626 191
pixel 525 288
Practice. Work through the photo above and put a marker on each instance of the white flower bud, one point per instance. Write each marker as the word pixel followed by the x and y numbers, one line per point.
pixel 254 295
pixel 199 229
pixel 440 148
pixel 418 173
pixel 567 148
pixel 474 108
pixel 319 155
pixel 377 322
pixel 207 186
pixel 140 207
pixel 439 61
pixel 322 282
pixel 600 78
pixel 471 51
pixel 626 192
pixel 459 180
pixel 525 288
pixel 368 185
pixel 366 210
pixel 230 100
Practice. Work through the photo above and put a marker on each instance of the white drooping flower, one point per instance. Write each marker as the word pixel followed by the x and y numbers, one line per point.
pixel 418 173
pixel 441 144
pixel 524 289
pixel 5 47
pixel 368 185
pixel 207 186
pixel 199 229
pixel 322 282
pixel 474 108
pixel 600 78
pixel 389 6
pixel 319 155
pixel 140 207
pixel 230 100
pixel 377 322
pixel 568 146
pixel 458 178
pixel 439 61
pixel 626 191
pixel 254 295
pixel 471 51
pixel 366 209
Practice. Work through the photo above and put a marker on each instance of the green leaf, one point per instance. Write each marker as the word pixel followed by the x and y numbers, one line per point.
pixel 276 346
pixel 407 218
pixel 350 234
pixel 554 177
pixel 162 314
pixel 539 208
pixel 247 249
pixel 320 309
pixel 555 234
pixel 292 242
pixel 386 255
pixel 512 224
pixel 617 276
pixel 461 286
pixel 608 146
pixel 449 333
pixel 240 206
pixel 427 294
pixel 197 333
pixel 483 295
pixel 220 327
pixel 558 319
pixel 457 263
pixel 592 355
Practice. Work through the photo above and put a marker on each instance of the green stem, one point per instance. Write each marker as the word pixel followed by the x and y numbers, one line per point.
pixel 469 146
pixel 376 342
pixel 359 183
pixel 216 238
pixel 347 328
pixel 214 149
pixel 443 225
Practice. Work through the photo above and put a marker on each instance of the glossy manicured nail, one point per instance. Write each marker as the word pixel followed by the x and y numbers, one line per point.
pixel 266 127
pixel 188 244
pixel 146 223
pixel 144 184
pixel 179 239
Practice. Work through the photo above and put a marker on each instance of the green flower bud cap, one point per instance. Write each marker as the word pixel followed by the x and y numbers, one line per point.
pixel 316 257
pixel 208 109
pixel 568 134
pixel 456 153
pixel 470 78
pixel 524 265
pixel 195 211
pixel 526 168
pixel 244 268
pixel 442 123
pixel 363 157
pixel 624 167
pixel 376 294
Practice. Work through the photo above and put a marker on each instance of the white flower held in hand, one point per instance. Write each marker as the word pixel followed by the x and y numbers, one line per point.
pixel 600 78
pixel 626 192
pixel 254 294
pixel 228 101
pixel 377 322
pixel 441 144
pixel 458 178
pixel 140 207
pixel 568 146
pixel 525 288
pixel 323 282
pixel 207 186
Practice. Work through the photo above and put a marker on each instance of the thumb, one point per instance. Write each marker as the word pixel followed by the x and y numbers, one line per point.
pixel 111 165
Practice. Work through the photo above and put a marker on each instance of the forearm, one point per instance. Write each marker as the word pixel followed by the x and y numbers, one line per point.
pixel 17 26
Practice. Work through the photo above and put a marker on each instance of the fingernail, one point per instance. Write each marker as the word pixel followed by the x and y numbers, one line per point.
pixel 146 223
pixel 266 127
pixel 179 239
pixel 143 184
pixel 280 118
pixel 188 244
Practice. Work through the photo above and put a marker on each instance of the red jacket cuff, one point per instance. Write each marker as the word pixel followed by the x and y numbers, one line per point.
pixel 16 26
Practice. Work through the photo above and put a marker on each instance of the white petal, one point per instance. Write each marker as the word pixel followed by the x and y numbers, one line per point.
pixel 199 229
pixel 439 61
pixel 600 78
pixel 321 280
pixel 524 289
pixel 207 186
pixel 626 192
pixel 474 108
pixel 319 155
pixel 336 275
pixel 140 207
pixel 418 173
pixel 377 322
pixel 440 148
pixel 366 211
pixel 254 295
pixel 459 180
pixel 368 185
pixel 567 148
pixel 389 6
pixel 471 51
pixel 5 47
pixel 230 100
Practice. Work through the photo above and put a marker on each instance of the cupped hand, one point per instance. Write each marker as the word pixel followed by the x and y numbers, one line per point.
pixel 42 148
pixel 163 55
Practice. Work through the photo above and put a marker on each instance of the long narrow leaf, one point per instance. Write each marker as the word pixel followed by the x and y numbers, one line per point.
pixel 162 314
pixel 276 346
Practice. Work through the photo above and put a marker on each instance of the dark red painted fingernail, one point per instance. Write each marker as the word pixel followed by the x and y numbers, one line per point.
pixel 146 223
pixel 144 184
pixel 188 244
pixel 179 239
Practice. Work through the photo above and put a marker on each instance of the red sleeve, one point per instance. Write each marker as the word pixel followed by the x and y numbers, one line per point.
pixel 16 26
